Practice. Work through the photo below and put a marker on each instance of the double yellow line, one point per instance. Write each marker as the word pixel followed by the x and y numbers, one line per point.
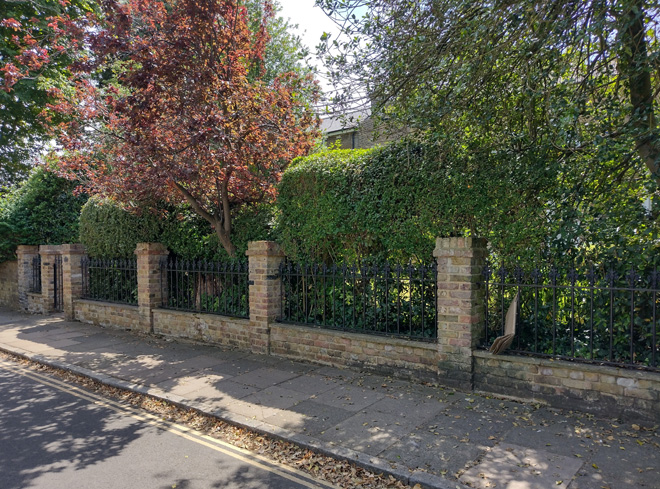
pixel 183 431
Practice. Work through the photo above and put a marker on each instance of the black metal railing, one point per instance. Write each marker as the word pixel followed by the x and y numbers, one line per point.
pixel 600 316
pixel 58 284
pixel 110 280
pixel 35 275
pixel 209 287
pixel 383 300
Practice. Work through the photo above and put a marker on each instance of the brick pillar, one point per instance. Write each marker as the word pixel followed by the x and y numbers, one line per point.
pixel 26 254
pixel 265 291
pixel 72 282
pixel 460 306
pixel 48 254
pixel 149 256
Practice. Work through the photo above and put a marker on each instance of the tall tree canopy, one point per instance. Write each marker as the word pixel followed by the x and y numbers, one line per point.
pixel 187 108
pixel 567 87
pixel 580 75
pixel 33 63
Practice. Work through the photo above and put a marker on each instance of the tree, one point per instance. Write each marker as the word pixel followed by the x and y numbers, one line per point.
pixel 566 90
pixel 40 210
pixel 33 64
pixel 187 113
pixel 580 76
pixel 284 51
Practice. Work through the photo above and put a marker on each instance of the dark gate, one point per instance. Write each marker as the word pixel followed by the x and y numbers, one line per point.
pixel 58 279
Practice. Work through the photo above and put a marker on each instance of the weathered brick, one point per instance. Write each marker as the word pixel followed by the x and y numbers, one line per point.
pixel 576 375
pixel 647 394
pixel 626 382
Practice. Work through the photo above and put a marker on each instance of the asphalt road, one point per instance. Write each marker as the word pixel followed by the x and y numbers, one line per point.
pixel 54 435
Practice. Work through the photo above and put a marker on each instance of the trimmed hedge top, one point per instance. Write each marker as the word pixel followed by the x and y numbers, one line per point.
pixel 392 202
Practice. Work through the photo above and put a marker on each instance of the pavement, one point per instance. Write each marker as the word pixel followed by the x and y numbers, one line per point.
pixel 421 434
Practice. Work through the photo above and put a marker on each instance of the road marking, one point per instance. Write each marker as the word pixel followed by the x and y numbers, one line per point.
pixel 238 453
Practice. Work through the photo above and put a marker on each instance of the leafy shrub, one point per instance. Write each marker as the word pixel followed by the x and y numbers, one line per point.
pixel 392 202
pixel 109 231
pixel 41 210
pixel 189 236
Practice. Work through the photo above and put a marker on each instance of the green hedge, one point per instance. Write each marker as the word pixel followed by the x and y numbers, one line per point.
pixel 41 210
pixel 392 202
pixel 109 231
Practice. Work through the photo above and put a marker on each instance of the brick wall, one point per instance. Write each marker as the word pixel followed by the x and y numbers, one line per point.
pixel 452 361
pixel 211 328
pixel 390 356
pixel 9 284
pixel 121 316
pixel 607 391
pixel 36 303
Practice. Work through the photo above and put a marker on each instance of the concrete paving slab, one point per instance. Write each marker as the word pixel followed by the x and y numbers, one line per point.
pixel 369 432
pixel 96 360
pixel 220 352
pixel 276 397
pixel 375 420
pixel 337 373
pixel 311 384
pixel 265 377
pixel 406 406
pixel 461 424
pixel 27 345
pixel 555 439
pixel 349 397
pixel 222 391
pixel 251 411
pixel 98 342
pixel 202 362
pixel 510 466
pixel 236 367
pixel 65 334
pixel 132 369
pixel 187 384
pixel 631 463
pixel 62 343
pixel 309 417
pixel 289 365
pixel 165 372
pixel 438 454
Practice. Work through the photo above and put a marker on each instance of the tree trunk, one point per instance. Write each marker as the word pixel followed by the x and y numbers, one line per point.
pixel 635 67
pixel 222 225
pixel 225 240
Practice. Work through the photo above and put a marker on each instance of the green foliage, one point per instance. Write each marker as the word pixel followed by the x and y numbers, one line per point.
pixel 41 210
pixel 397 301
pixel 22 131
pixel 566 85
pixel 392 202
pixel 189 236
pixel 576 76
pixel 599 319
pixel 109 231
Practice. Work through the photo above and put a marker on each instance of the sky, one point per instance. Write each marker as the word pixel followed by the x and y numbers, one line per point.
pixel 312 23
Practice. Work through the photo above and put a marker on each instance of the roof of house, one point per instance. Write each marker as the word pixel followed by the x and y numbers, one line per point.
pixel 344 122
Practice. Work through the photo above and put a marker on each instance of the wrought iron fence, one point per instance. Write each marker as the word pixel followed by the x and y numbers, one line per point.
pixel 210 287
pixel 35 275
pixel 600 316
pixel 382 300
pixel 110 280
pixel 58 284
